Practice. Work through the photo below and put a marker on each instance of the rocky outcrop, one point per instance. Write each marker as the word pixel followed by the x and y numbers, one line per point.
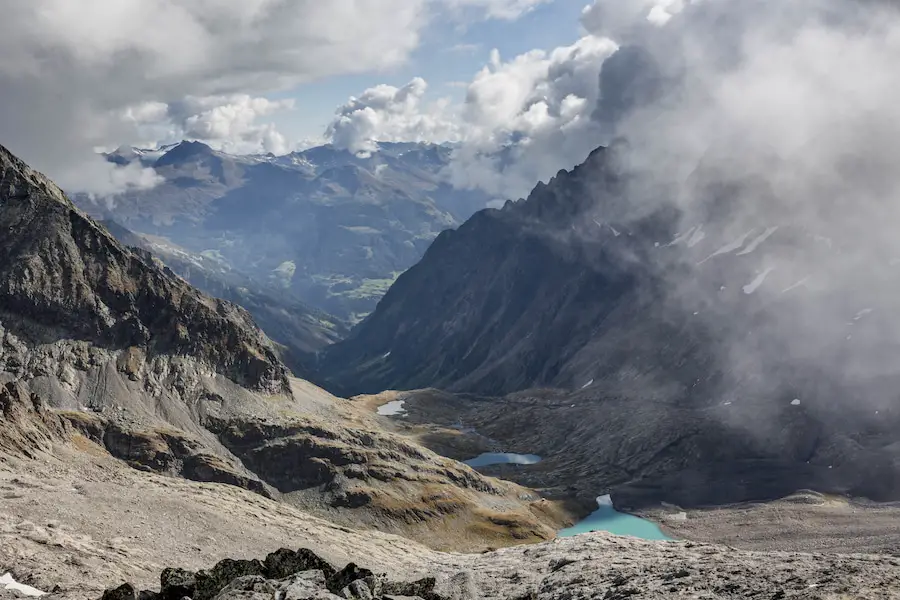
pixel 27 425
pixel 164 450
pixel 589 567
pixel 64 277
pixel 386 479
pixel 285 574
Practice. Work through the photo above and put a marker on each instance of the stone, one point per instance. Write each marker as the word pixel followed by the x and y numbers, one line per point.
pixel 250 587
pixel 125 591
pixel 209 583
pixel 176 583
pixel 284 563
pixel 357 590
pixel 337 582
pixel 303 586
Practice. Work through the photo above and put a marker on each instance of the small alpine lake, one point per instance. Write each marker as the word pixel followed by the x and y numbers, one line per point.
pixel 503 458
pixel 607 518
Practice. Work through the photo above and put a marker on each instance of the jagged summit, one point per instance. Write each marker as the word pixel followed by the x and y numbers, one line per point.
pixel 186 150
pixel 63 276
pixel 18 180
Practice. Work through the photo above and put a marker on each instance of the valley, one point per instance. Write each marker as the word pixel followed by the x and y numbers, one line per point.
pixel 321 228
pixel 449 300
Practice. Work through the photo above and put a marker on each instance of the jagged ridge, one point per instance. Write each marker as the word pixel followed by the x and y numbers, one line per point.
pixel 64 276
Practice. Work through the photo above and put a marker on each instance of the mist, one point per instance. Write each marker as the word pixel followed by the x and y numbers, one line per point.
pixel 773 130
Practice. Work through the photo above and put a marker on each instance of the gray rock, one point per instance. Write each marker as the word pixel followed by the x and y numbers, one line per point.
pixel 343 578
pixel 250 587
pixel 176 584
pixel 284 563
pixel 303 586
pixel 209 583
pixel 125 591
pixel 357 590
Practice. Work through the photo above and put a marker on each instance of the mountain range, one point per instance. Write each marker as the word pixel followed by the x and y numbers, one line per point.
pixel 327 227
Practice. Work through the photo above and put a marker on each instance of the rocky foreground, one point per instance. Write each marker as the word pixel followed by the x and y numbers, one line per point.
pixel 588 567
pixel 83 522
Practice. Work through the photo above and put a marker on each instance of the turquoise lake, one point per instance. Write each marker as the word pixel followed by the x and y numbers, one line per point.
pixel 607 518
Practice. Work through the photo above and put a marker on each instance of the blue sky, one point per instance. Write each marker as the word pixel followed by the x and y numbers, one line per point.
pixel 448 52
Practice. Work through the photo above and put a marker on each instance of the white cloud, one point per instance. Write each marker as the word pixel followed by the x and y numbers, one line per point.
pixel 230 122
pixel 70 72
pixel 103 179
pixel 386 113
pixel 530 117
pixel 521 121
pixel 497 9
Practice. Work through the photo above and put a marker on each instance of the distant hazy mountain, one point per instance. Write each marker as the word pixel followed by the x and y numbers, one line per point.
pixel 299 329
pixel 329 228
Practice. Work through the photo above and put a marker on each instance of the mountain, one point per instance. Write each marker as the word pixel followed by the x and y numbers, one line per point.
pixel 106 353
pixel 700 352
pixel 329 228
pixel 299 330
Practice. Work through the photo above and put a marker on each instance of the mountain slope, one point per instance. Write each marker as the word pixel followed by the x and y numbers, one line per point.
pixel 507 301
pixel 299 329
pixel 62 275
pixel 709 352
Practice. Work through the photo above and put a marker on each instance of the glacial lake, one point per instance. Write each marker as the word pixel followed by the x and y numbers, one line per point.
pixel 503 458
pixel 607 518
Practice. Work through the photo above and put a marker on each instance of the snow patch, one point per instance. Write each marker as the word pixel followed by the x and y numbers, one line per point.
pixel 802 282
pixel 588 384
pixel 698 237
pixel 759 240
pixel 683 237
pixel 386 354
pixel 8 583
pixel 729 247
pixel 393 408
pixel 604 501
pixel 754 285
pixel 795 402
pixel 863 313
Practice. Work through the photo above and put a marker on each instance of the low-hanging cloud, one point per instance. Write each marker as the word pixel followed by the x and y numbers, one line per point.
pixel 773 133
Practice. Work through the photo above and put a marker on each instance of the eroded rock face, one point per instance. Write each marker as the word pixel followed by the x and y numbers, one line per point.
pixel 62 276
pixel 27 426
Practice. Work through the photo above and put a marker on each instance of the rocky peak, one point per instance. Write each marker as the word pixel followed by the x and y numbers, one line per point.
pixel 63 276
pixel 185 151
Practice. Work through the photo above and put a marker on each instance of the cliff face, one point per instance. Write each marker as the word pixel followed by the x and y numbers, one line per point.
pixel 64 277
pixel 510 299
